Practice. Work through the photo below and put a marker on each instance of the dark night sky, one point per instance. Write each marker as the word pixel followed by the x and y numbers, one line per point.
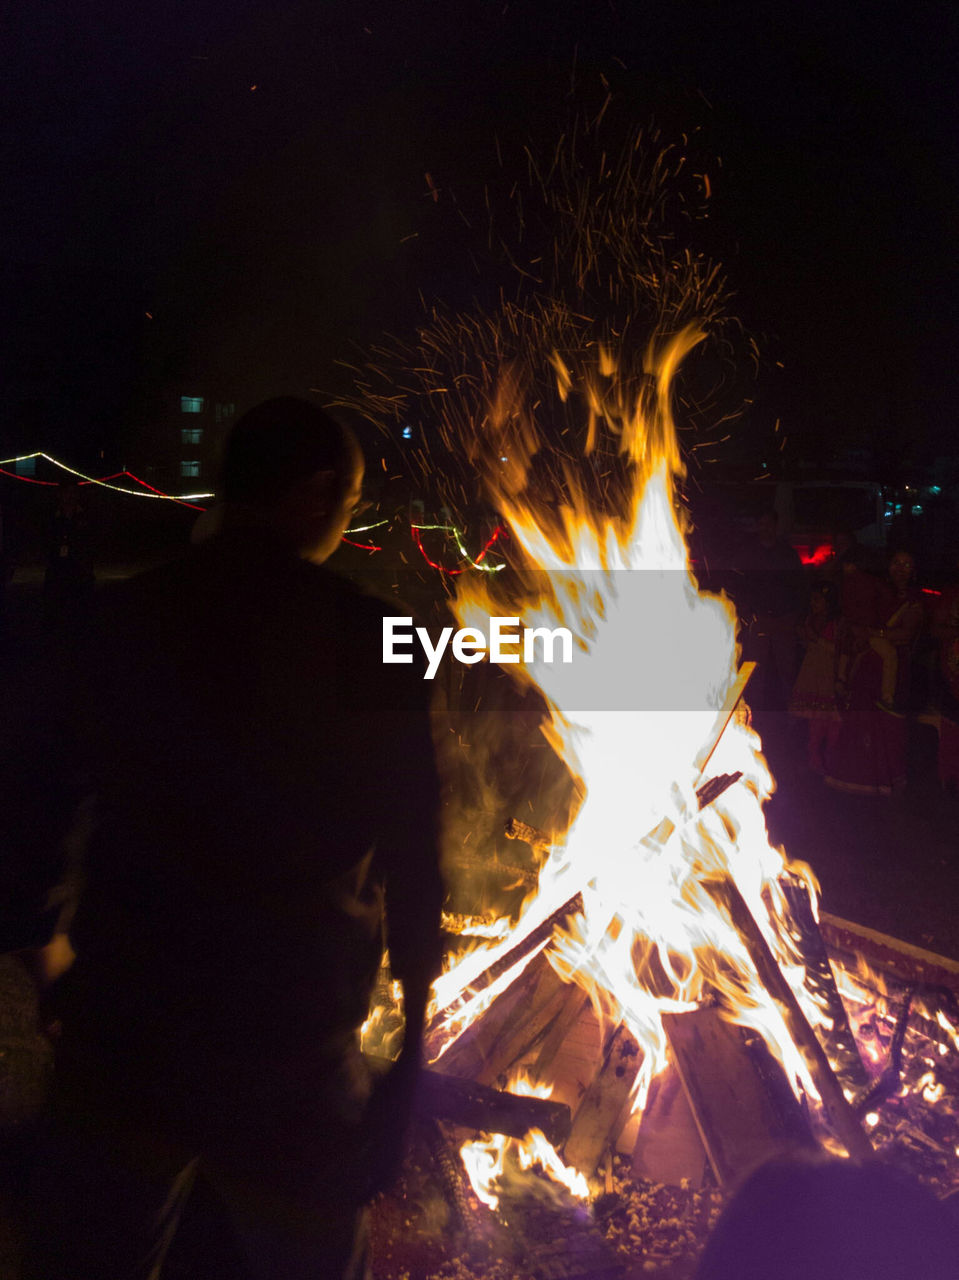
pixel 266 230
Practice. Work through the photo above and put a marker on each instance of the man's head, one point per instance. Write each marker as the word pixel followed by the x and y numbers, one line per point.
pixel 290 467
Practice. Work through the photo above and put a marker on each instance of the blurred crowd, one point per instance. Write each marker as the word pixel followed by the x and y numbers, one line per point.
pixel 856 650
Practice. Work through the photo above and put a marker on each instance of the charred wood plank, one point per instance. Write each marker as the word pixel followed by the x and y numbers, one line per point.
pixel 742 1113
pixel 541 1009
pixel 536 839
pixel 669 1148
pixel 453 1180
pixel 473 1048
pixel 476 1106
pixel 838 1040
pixel 838 1111
pixel 573 1008
pixel 536 939
pixel 911 965
pixel 597 1119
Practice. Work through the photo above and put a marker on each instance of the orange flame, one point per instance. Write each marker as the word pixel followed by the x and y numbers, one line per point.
pixel 489 1161
pixel 632 716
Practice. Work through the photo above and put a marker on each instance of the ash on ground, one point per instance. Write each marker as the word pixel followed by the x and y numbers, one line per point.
pixel 638 1228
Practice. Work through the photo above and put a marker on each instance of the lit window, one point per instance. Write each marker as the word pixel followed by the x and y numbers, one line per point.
pixel 189 470
pixel 26 467
pixel 191 435
pixel 191 404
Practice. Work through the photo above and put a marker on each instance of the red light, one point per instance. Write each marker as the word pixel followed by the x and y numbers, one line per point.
pixel 815 556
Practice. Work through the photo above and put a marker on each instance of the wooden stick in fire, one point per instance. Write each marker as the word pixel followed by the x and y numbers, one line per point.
pixel 839 1111
pixel 476 1106
pixel 537 938
pixel 725 714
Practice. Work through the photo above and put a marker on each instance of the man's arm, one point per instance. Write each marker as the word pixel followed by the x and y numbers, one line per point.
pixel 410 857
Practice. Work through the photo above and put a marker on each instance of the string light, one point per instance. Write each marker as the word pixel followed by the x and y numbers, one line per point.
pixel 365 528
pixel 363 546
pixel 153 490
pixel 415 530
pixel 50 484
pixel 185 499
pixel 458 539
pixel 148 490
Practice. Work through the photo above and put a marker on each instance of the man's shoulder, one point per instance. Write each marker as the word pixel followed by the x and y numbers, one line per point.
pixel 360 614
pixel 123 595
pixel 364 604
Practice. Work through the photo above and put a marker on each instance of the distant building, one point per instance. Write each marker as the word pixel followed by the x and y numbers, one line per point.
pixel 179 450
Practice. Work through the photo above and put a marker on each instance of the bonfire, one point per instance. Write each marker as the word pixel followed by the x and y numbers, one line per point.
pixel 665 1006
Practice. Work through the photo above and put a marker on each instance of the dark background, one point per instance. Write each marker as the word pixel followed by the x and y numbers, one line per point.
pixel 253 176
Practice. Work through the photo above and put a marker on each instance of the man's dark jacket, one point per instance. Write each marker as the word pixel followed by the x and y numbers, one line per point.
pixel 262 783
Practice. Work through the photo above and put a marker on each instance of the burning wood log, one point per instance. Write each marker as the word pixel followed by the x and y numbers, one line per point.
pixel 569 1015
pixel 839 1041
pixel 837 1108
pixel 453 1179
pixel 726 712
pixel 742 1114
pixel 534 941
pixel 536 839
pixel 538 938
pixel 668 1146
pixel 599 1113
pixel 544 998
pixel 541 1012
pixel 909 964
pixel 472 1049
pixel 476 1106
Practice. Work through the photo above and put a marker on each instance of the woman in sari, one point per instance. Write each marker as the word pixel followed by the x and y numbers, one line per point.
pixel 869 755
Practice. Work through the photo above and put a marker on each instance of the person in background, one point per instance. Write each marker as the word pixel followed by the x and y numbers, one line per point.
pixel 795 1219
pixel 903 618
pixel 945 632
pixel 860 610
pixel 265 803
pixel 814 693
pixel 879 626
pixel 775 602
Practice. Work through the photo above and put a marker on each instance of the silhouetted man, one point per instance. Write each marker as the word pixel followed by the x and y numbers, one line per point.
pixel 265 795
